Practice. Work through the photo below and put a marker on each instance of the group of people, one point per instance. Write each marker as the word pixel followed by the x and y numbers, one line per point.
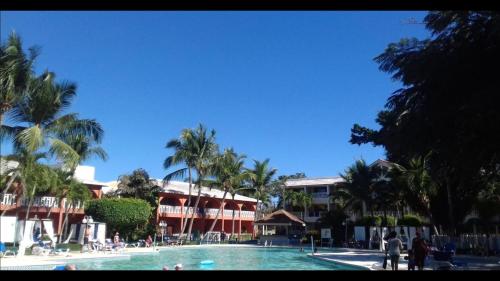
pixel 177 267
pixel 416 255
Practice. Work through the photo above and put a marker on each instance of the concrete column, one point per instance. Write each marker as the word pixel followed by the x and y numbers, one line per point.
pixel 182 201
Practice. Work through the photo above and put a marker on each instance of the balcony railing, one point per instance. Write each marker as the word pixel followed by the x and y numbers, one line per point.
pixel 320 195
pixel 229 213
pixel 8 199
pixel 247 214
pixel 69 205
pixel 168 209
pixel 211 211
pixel 44 201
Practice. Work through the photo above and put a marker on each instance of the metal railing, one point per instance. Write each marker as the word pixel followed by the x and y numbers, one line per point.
pixel 229 213
pixel 319 195
pixel 8 199
pixel 43 201
pixel 247 214
pixel 169 209
pixel 69 205
pixel 211 211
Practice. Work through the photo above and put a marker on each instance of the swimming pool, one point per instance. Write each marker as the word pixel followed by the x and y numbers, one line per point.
pixel 224 258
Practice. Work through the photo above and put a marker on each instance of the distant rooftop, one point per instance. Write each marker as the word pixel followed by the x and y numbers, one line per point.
pixel 179 187
pixel 313 181
pixel 183 188
pixel 329 180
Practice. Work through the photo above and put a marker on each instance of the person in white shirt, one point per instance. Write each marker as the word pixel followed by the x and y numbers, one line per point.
pixel 395 246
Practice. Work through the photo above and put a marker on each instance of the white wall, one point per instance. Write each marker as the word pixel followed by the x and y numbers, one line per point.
pixel 7 229
pixel 85 173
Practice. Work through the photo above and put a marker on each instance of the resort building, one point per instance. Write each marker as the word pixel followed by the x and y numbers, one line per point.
pixel 48 207
pixel 320 190
pixel 174 210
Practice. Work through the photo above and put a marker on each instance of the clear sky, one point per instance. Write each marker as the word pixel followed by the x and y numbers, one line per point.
pixel 281 85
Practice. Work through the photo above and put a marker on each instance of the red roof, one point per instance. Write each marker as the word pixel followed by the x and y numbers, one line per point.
pixel 281 217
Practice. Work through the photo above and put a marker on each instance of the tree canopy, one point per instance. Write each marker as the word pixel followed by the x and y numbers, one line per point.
pixel 447 105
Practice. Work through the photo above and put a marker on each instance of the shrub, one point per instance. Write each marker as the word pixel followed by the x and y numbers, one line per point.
pixel 390 221
pixel 120 214
pixel 369 221
pixel 410 220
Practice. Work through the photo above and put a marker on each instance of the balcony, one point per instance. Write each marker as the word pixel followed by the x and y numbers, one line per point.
pixel 8 200
pixel 247 214
pixel 42 202
pixel 168 209
pixel 320 194
pixel 206 212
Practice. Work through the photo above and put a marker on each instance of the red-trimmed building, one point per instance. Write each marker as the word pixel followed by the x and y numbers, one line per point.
pixel 173 209
pixel 49 207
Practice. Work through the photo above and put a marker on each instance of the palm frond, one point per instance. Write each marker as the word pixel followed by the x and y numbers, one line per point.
pixel 32 138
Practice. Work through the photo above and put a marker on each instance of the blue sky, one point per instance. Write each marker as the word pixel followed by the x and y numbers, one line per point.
pixel 281 85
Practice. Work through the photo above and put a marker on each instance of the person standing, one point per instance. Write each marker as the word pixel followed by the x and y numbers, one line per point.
pixel 395 246
pixel 86 238
pixel 420 250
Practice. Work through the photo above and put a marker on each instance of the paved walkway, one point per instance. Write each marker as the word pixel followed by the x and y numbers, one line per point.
pixel 373 260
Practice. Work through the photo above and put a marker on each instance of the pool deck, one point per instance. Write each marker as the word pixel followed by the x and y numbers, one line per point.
pixel 368 259
pixel 373 260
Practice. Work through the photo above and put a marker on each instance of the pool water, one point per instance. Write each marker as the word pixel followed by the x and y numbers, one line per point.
pixel 224 258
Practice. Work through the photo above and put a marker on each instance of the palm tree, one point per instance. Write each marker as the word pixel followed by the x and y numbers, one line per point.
pixel 202 151
pixel 229 175
pixel 71 192
pixel 18 174
pixel 15 70
pixel 359 179
pixel 33 177
pixel 261 177
pixel 303 200
pixel 418 185
pixel 86 149
pixel 41 109
pixel 183 154
pixel 138 185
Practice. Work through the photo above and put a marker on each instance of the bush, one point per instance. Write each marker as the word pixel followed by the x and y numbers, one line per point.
pixel 391 221
pixel 369 221
pixel 314 233
pixel 410 220
pixel 120 214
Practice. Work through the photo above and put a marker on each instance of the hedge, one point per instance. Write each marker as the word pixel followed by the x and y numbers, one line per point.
pixel 376 221
pixel 120 214
pixel 410 220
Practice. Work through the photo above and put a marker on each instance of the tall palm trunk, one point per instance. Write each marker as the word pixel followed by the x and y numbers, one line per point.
pixel 450 208
pixel 195 208
pixel 30 202
pixel 232 219
pixel 433 223
pixel 218 213
pixel 255 215
pixel 63 226
pixel 185 222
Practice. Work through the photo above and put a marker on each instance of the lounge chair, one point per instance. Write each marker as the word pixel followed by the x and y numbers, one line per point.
pixel 4 253
pixel 443 260
pixel 109 246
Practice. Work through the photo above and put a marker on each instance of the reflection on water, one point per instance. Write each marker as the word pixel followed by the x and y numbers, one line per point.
pixel 225 258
